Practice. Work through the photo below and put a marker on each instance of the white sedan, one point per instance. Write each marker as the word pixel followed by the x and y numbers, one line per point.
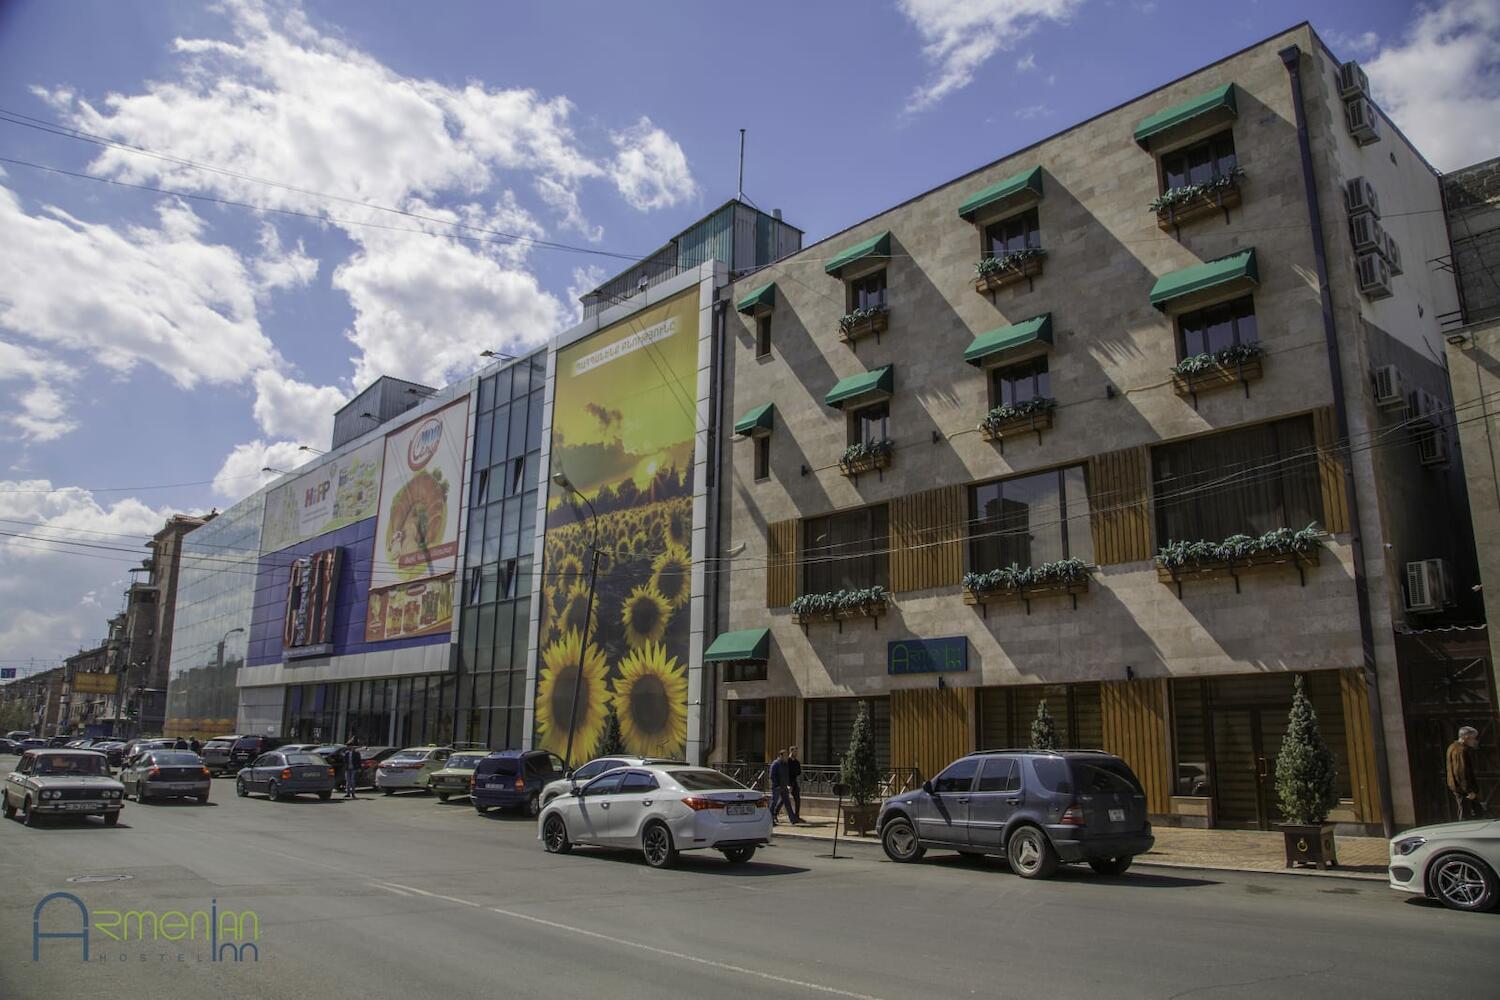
pixel 1454 863
pixel 410 768
pixel 660 810
pixel 586 772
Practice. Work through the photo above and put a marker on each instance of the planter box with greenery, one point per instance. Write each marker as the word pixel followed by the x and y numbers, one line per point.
pixel 1237 365
pixel 860 770
pixel 863 323
pixel 865 602
pixel 1034 414
pixel 1179 561
pixel 866 456
pixel 1064 577
pixel 1191 201
pixel 994 273
pixel 1306 787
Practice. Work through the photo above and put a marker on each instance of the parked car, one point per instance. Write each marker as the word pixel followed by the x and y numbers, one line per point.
pixel 585 773
pixel 61 782
pixel 369 763
pixel 1454 863
pixel 248 748
pixel 514 779
pixel 279 774
pixel 60 741
pixel 33 743
pixel 215 752
pixel 18 735
pixel 454 777
pixel 113 750
pixel 166 774
pixel 660 810
pixel 1036 808
pixel 9 746
pixel 410 768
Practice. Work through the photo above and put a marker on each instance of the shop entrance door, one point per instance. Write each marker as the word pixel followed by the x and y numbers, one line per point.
pixel 1246 744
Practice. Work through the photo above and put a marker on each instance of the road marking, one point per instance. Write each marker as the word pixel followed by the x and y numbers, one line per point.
pixel 725 966
pixel 389 888
pixel 434 895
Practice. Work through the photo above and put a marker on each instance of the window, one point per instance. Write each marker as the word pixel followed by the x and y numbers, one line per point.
pixel 1205 331
pixel 958 777
pixel 750 671
pixel 870 424
pixel 999 774
pixel 607 785
pixel 747 730
pixel 1244 481
pixel 1199 163
pixel 1030 520
pixel 763 457
pixel 845 551
pixel 1019 232
pixel 763 335
pixel 867 292
pixel 596 767
pixel 1017 383
pixel 638 781
pixel 704 780
pixel 830 722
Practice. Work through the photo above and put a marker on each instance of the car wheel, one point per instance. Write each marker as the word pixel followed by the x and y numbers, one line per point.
pixel 1463 882
pixel 481 810
pixel 325 796
pixel 203 800
pixel 28 814
pixel 6 809
pixel 555 835
pixel 533 806
pixel 240 788
pixel 899 839
pixel 442 796
pixel 657 845
pixel 1030 853
pixel 1111 866
pixel 389 791
pixel 739 855
pixel 273 792
pixel 110 819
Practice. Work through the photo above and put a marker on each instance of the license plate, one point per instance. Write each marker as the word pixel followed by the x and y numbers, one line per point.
pixel 740 809
pixel 181 786
pixel 83 805
pixel 1117 815
pixel 309 772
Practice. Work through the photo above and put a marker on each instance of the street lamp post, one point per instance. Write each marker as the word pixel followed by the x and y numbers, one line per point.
pixel 225 641
pixel 588 610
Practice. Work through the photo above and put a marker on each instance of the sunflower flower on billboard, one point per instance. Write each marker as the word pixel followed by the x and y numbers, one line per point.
pixel 651 701
pixel 556 681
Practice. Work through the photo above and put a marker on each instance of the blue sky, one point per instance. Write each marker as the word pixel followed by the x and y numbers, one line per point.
pixel 147 340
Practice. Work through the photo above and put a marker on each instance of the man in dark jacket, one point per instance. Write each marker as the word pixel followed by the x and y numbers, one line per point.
pixel 195 746
pixel 1461 773
pixel 794 777
pixel 352 764
pixel 781 793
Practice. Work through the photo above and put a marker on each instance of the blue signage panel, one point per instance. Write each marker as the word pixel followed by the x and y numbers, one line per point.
pixel 927 656
pixel 6 673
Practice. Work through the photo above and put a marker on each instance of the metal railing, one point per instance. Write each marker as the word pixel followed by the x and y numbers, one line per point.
pixel 817 780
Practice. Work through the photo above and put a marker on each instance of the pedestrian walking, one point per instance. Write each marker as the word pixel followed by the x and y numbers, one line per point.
pixel 781 792
pixel 1461 773
pixel 195 746
pixel 352 764
pixel 794 778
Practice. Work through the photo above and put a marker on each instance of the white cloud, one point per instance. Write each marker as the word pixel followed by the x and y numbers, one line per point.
pixel 241 474
pixel 41 413
pixel 278 267
pixel 1031 111
pixel 1360 44
pixel 650 168
pixel 1440 81
pixel 585 280
pixel 564 200
pixel 1026 63
pixel 961 35
pixel 287 408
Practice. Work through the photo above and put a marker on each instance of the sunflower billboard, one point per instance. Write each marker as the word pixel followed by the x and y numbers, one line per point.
pixel 416 533
pixel 623 428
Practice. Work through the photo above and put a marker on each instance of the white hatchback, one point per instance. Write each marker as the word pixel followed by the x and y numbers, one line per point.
pixel 660 810
pixel 410 768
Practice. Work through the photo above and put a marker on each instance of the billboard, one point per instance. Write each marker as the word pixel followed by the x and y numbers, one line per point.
pixel 96 683
pixel 308 626
pixel 416 531
pixel 623 425
pixel 336 493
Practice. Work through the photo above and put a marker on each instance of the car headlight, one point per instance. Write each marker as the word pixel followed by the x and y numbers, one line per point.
pixel 1406 845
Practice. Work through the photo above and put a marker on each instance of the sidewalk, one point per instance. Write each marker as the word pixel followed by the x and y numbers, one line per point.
pixel 1178 847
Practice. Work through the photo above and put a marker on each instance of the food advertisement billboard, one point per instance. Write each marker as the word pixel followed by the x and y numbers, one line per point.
pixel 416 533
pixel 622 433
pixel 338 492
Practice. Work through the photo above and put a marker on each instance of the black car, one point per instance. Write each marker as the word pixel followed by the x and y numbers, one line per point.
pixel 248 748
pixel 514 779
pixel 215 752
pixel 113 750
pixel 57 742
pixel 281 774
pixel 1036 808
pixel 9 746
pixel 166 774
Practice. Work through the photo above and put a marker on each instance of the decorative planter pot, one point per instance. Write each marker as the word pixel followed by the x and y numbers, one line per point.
pixel 1234 567
pixel 872 610
pixel 1217 377
pixel 1225 198
pixel 1310 846
pixel 1025 593
pixel 991 283
pixel 860 820
pixel 864 463
pixel 1031 422
pixel 875 324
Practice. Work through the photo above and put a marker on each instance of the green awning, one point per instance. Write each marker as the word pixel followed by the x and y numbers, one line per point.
pixel 761 299
pixel 1236 269
pixel 874 248
pixel 879 382
pixel 987 345
pixel 1022 188
pixel 762 419
pixel 738 647
pixel 1220 99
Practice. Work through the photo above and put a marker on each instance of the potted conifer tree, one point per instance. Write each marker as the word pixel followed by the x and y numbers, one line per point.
pixel 861 772
pixel 611 742
pixel 1306 788
pixel 1043 729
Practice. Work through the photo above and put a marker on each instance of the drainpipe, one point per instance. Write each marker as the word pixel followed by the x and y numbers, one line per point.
pixel 1291 57
pixel 708 709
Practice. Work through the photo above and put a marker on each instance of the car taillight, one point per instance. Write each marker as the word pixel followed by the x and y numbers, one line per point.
pixel 520 784
pixel 153 772
pixel 763 802
pixel 330 772
pixel 698 803
pixel 471 781
pixel 286 775
pixel 1072 816
pixel 207 773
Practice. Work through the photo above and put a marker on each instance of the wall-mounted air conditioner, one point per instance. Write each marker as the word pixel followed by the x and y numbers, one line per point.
pixel 1367 233
pixel 1374 276
pixel 1363 120
pixel 1428 585
pixel 1389 391
pixel 1353 81
pixel 1432 448
pixel 1360 196
pixel 1392 254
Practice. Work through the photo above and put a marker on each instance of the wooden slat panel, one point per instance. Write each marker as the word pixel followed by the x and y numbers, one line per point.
pixel 781 563
pixel 931 727
pixel 927 533
pixel 1361 748
pixel 1331 470
pixel 781 723
pixel 1135 729
pixel 1120 502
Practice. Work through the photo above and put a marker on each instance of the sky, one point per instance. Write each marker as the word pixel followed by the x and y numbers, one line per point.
pixel 218 222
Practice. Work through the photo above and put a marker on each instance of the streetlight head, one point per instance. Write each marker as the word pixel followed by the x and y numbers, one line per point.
pixel 735 550
pixel 562 480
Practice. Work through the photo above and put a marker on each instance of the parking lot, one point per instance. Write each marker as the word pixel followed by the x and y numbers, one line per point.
pixel 402 896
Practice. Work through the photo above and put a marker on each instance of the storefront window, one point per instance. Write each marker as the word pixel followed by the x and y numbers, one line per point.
pixel 830 722
pixel 747 731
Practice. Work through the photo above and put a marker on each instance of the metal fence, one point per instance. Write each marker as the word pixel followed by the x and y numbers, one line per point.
pixel 817 780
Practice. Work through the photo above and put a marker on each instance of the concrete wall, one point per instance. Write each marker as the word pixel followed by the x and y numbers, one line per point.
pixel 1474 364
pixel 1473 196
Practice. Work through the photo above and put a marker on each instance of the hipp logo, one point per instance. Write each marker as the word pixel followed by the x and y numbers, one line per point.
pixel 230 936
pixel 424 443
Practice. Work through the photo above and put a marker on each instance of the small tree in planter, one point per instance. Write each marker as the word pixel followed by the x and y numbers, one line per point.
pixel 1305 786
pixel 861 772
pixel 611 741
pixel 1043 729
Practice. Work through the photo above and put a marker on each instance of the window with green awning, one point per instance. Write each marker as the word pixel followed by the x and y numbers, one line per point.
pixel 761 420
pixel 1236 272
pixel 749 645
pixel 872 249
pixel 1020 189
pixel 864 387
pixel 1217 102
pixel 761 300
pixel 991 346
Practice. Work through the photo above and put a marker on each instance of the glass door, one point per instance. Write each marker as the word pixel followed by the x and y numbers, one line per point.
pixel 1246 743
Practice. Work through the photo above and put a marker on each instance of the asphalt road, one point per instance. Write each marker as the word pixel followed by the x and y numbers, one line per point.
pixel 404 897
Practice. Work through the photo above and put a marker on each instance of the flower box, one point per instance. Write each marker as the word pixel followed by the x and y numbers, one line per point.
pixel 1026 593
pixel 1038 420
pixel 865 463
pixel 1217 377
pixel 1212 202
pixel 1026 270
pixel 872 322
pixel 1217 568
pixel 870 609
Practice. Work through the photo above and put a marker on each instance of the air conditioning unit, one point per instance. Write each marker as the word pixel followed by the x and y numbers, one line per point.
pixel 1367 233
pixel 1374 276
pixel 1432 448
pixel 1389 393
pixel 1359 196
pixel 1363 120
pixel 1428 585
pixel 1353 81
pixel 1423 410
pixel 1393 254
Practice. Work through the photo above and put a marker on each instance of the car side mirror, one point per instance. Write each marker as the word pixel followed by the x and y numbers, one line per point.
pixel 927 787
pixel 577 791
pixel 568 775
